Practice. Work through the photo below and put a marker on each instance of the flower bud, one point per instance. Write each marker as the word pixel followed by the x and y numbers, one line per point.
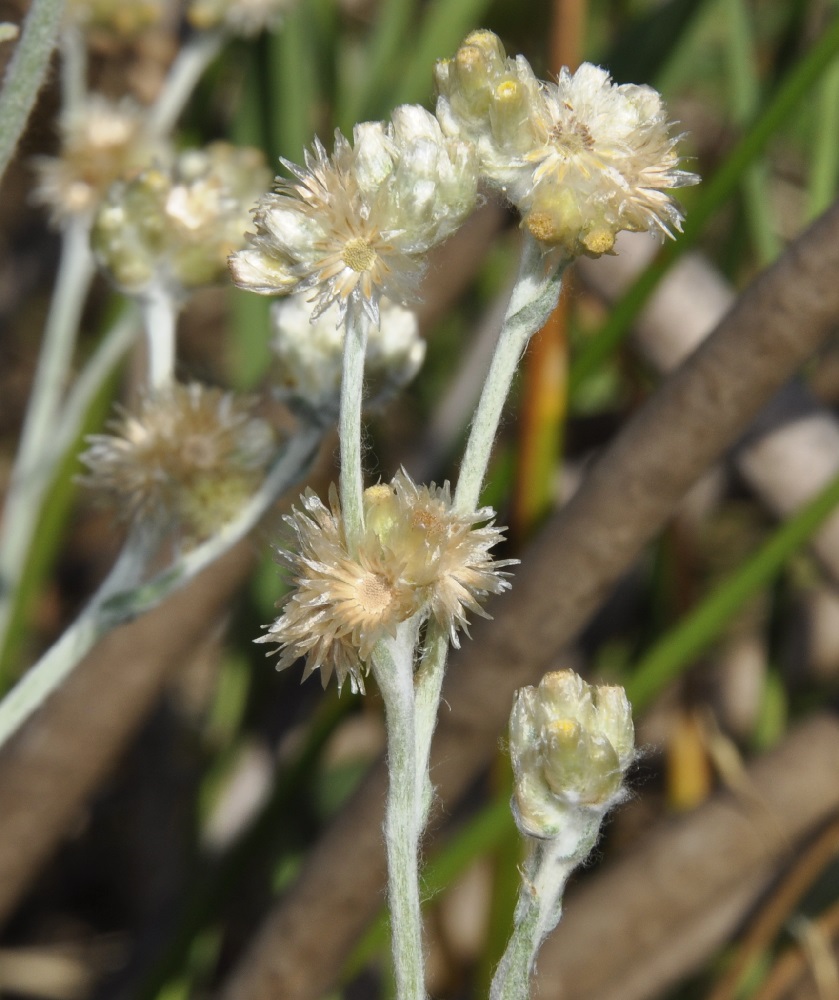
pixel 571 744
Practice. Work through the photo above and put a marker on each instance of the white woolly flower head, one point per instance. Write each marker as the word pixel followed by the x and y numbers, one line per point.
pixel 309 356
pixel 191 455
pixel 582 158
pixel 354 227
pixel 178 226
pixel 101 141
pixel 571 744
pixel 415 556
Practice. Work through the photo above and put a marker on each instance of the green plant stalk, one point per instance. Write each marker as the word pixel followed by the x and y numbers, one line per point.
pixel 32 472
pixel 120 598
pixel 393 668
pixel 26 73
pixel 675 650
pixel 534 297
pixel 714 194
pixel 351 482
pixel 539 906
pixel 825 154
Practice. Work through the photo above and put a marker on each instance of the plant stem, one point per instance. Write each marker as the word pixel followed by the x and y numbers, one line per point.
pixel 393 670
pixel 159 318
pixel 352 387
pixel 186 71
pixel 427 685
pixel 121 597
pixel 539 905
pixel 534 298
pixel 26 73
pixel 33 471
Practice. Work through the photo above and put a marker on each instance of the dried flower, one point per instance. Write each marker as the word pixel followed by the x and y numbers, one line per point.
pixel 571 744
pixel 177 227
pixel 239 17
pixel 416 556
pixel 309 354
pixel 582 158
pixel 354 227
pixel 191 455
pixel 100 142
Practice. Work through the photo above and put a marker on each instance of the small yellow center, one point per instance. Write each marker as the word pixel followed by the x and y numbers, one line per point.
pixel 358 254
pixel 542 226
pixel 599 241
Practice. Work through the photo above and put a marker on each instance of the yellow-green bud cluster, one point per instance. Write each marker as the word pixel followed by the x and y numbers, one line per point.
pixel 582 158
pixel 309 355
pixel 571 744
pixel 176 228
pixel 117 17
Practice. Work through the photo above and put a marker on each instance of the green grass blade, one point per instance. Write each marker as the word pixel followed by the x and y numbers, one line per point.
pixel 715 193
pixel 824 172
pixel 676 650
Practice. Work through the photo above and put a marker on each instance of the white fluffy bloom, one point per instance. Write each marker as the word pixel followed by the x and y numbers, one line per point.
pixel 582 158
pixel 309 355
pixel 355 227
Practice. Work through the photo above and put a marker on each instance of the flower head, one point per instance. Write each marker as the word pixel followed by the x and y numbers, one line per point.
pixel 354 227
pixel 100 142
pixel 116 16
pixel 177 227
pixel 192 455
pixel 309 355
pixel 582 158
pixel 571 744
pixel 239 17
pixel 416 556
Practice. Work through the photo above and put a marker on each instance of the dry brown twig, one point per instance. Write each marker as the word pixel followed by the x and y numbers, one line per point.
pixel 779 321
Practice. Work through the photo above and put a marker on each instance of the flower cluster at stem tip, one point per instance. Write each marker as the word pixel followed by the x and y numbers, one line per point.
pixel 416 556
pixel 582 158
pixel 191 457
pixel 571 744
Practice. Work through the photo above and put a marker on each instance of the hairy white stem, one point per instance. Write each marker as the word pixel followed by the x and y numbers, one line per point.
pixel 393 667
pixel 352 388
pixel 539 906
pixel 428 684
pixel 32 475
pixel 122 597
pixel 187 69
pixel 534 297
pixel 160 314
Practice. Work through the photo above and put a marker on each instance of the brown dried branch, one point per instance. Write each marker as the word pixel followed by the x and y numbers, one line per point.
pixel 60 757
pixel 776 324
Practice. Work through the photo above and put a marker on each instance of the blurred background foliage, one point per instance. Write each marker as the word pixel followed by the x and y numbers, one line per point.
pixel 726 633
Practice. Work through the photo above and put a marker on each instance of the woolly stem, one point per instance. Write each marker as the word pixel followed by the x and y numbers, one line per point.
pixel 349 425
pixel 159 318
pixel 32 473
pixel 539 906
pixel 186 71
pixel 393 670
pixel 534 297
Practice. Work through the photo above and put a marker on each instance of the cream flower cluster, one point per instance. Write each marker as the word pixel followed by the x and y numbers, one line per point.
pixel 309 355
pixel 416 556
pixel 354 227
pixel 571 744
pixel 191 455
pixel 101 141
pixel 178 226
pixel 239 17
pixel 582 158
